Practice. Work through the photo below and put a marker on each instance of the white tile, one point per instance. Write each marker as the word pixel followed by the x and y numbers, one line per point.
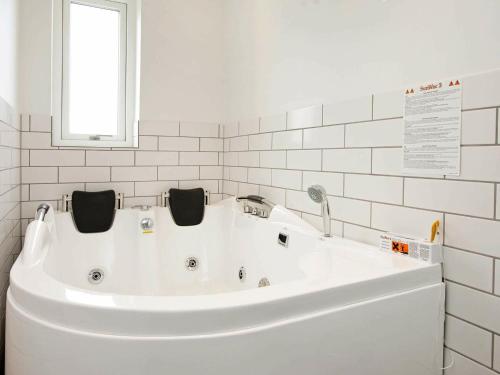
pixel 145 188
pixel 347 160
pixel 84 174
pixel 25 158
pixel 211 144
pixel 178 144
pixel 148 142
pixel 350 210
pixel 40 123
pixel 332 182
pixel 473 234
pixel 304 159
pixel 287 179
pixel 167 128
pixel 247 189
pixel 239 144
pixel 273 123
pixel 42 192
pixel 36 140
pixel 127 188
pixel 199 129
pixel 230 129
pixel 474 306
pixel 275 195
pixel 211 172
pixel 324 137
pixel 227 143
pixel 238 174
pixel 273 159
pixel 408 221
pixel 231 158
pixel 25 122
pixel 388 161
pixel 300 201
pixel 374 188
pixel 230 187
pixel 388 105
pixel 198 158
pixel 487 157
pixel 178 173
pixel 109 158
pixel 362 234
pixel 353 110
pixel 57 157
pixel 481 90
pixel 287 140
pixel 496 354
pixel 472 341
pixel 304 117
pixel 450 196
pixel 249 126
pixel 248 159
pixel 381 133
pixel 260 142
pixel 464 366
pixel 497 278
pixel 133 173
pixel 211 185
pixel 259 176
pixel 498 202
pixel 479 127
pixel 468 268
pixel 156 158
pixel 31 175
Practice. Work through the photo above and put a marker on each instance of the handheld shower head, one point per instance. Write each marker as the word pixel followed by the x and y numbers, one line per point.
pixel 318 194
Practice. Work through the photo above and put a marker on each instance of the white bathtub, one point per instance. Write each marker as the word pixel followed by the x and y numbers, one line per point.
pixel 333 306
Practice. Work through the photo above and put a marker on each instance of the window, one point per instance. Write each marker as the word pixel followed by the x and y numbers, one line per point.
pixel 95 79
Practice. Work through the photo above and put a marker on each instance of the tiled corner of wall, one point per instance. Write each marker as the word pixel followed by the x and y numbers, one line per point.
pixel 10 196
pixel 170 154
pixel 353 148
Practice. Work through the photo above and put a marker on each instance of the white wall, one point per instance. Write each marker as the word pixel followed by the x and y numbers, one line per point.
pixel 285 54
pixel 9 11
pixel 182 59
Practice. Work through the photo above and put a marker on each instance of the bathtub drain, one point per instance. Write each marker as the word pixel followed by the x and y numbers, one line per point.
pixel 95 276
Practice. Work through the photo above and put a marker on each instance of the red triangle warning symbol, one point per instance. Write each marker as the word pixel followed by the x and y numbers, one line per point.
pixel 411 91
pixel 457 82
pixel 451 83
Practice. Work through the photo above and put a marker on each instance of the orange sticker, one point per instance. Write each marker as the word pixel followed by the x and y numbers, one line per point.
pixel 400 247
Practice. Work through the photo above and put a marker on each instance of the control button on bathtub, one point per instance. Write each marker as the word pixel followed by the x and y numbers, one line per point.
pixel 147 223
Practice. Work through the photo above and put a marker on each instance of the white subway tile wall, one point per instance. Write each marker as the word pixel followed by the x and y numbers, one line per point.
pixel 170 154
pixel 10 198
pixel 353 148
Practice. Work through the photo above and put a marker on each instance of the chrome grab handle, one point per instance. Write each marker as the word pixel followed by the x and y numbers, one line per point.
pixel 164 198
pixel 66 198
pixel 41 211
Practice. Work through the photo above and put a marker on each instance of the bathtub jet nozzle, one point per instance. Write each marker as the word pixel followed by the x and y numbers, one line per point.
pixel 318 194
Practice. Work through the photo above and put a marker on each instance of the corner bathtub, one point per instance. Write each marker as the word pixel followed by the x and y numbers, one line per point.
pixel 333 306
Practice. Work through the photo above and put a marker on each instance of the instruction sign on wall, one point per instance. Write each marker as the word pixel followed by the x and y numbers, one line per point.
pixel 432 127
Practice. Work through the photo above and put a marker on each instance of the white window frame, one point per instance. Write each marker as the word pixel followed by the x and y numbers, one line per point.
pixel 128 82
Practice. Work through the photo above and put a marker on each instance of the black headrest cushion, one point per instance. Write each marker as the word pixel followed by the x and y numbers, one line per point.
pixel 187 206
pixel 93 212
